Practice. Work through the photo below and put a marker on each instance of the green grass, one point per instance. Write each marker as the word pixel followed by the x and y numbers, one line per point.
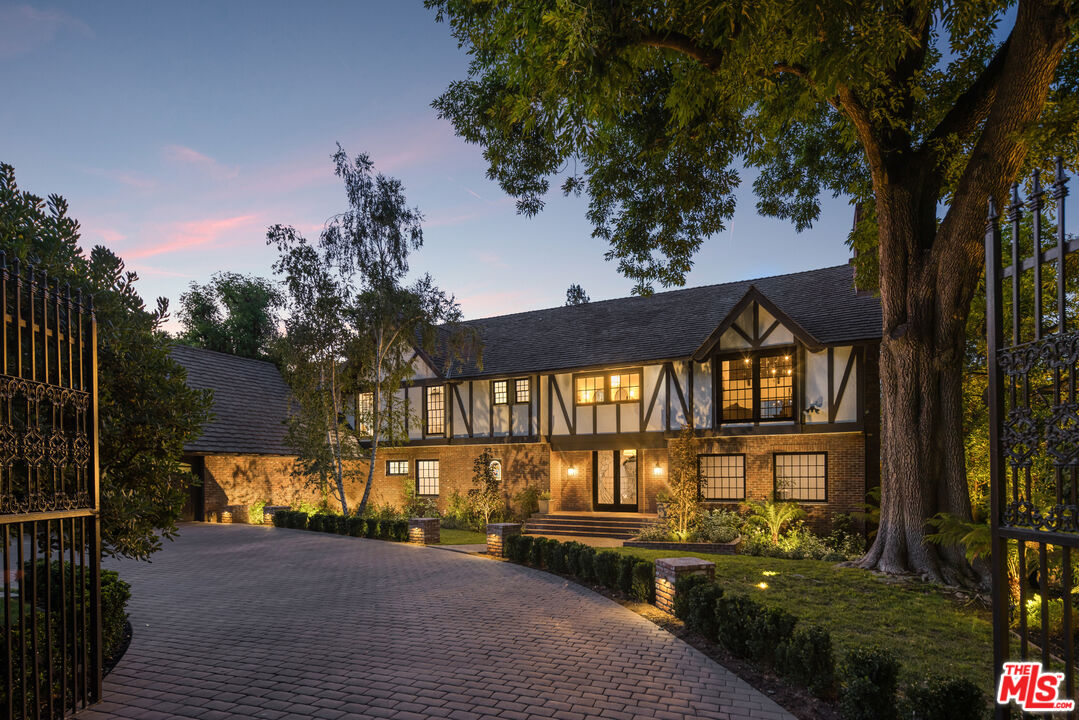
pixel 927 627
pixel 461 537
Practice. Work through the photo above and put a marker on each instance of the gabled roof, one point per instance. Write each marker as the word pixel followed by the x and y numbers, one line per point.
pixel 251 403
pixel 753 295
pixel 668 325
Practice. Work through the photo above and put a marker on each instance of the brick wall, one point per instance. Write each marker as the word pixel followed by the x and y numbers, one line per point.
pixel 846 468
pixel 522 464
pixel 249 479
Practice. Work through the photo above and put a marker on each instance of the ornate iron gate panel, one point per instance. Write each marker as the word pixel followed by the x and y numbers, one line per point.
pixel 50 621
pixel 1033 431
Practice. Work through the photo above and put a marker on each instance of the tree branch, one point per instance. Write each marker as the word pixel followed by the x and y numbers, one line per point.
pixel 708 57
pixel 973 105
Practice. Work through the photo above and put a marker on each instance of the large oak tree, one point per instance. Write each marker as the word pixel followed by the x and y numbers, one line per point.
pixel 917 111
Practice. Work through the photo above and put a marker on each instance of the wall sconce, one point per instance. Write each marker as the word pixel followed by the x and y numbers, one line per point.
pixel 657 470
pixel 571 471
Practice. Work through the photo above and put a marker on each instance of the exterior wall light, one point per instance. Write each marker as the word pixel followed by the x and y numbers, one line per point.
pixel 657 470
pixel 571 471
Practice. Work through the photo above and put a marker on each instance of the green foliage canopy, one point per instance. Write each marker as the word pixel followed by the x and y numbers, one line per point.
pixel 231 313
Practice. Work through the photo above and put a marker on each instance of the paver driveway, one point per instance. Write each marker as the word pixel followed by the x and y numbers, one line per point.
pixel 251 622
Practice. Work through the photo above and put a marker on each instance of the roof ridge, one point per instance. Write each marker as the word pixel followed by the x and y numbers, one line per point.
pixel 658 294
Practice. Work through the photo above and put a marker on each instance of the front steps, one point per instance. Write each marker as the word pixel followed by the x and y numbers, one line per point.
pixel 621 526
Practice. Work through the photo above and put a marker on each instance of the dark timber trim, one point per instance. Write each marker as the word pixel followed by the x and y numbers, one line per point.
pixel 756 299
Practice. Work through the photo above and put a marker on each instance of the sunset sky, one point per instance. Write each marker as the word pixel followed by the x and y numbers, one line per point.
pixel 178 132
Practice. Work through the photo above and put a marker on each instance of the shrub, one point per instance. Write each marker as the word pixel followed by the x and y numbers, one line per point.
pixel 807 659
pixel 554 556
pixel 719 526
pixel 735 618
pixel 586 563
pixel 573 553
pixel 535 554
pixel 399 530
pixel 370 527
pixel 511 547
pixel 527 501
pixel 771 627
pixel 114 596
pixel 525 549
pixel 356 525
pixel 254 513
pixel 314 523
pixel 870 677
pixel 941 698
pixel 280 518
pixel 643 584
pixel 656 532
pixel 299 520
pixel 606 568
pixel 700 608
pixel 682 588
pixel 625 572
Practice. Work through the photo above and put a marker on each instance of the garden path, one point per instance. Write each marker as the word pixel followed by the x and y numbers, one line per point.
pixel 237 621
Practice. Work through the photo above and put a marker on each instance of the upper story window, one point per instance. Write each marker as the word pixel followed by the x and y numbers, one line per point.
pixel 615 387
pixel 365 409
pixel 522 391
pixel 435 400
pixel 501 392
pixel 756 388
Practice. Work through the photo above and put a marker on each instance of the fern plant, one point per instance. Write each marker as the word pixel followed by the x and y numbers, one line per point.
pixel 773 516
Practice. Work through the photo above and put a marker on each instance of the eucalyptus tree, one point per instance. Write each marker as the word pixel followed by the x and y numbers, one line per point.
pixel 917 111
pixel 355 326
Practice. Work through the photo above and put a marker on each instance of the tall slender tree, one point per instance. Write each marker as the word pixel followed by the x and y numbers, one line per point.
pixel 355 327
pixel 918 111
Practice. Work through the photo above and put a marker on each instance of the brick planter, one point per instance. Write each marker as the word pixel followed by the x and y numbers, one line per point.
pixel 423 531
pixel 730 548
pixel 497 533
pixel 269 510
pixel 668 570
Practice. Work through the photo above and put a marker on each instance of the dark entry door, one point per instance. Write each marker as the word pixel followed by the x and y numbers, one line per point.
pixel 614 480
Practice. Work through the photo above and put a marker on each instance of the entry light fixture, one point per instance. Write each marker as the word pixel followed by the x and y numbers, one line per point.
pixel 657 470
pixel 571 471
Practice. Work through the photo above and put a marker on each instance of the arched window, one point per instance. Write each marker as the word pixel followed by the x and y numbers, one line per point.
pixel 496 470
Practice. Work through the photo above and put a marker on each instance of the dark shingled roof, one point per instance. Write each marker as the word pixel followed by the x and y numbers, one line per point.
pixel 667 325
pixel 250 402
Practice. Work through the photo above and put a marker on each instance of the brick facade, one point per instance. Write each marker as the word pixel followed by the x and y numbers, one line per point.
pixel 231 480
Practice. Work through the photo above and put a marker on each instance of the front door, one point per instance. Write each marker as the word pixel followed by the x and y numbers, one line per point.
pixel 614 480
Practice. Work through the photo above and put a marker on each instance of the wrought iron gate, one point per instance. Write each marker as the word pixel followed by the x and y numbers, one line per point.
pixel 51 651
pixel 1033 430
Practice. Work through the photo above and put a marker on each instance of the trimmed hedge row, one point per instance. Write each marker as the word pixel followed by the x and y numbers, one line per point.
pixel 866 682
pixel 628 574
pixel 396 530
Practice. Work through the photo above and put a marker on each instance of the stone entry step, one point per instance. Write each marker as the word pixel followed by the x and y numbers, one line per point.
pixel 620 526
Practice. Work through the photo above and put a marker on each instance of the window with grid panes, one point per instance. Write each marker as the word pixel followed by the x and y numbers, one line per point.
pixel 737 390
pixel 397 467
pixel 590 390
pixel 801 476
pixel 436 410
pixel 522 390
pixel 625 387
pixel 723 477
pixel 501 392
pixel 427 477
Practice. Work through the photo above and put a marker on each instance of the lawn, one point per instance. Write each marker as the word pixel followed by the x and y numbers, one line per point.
pixel 461 537
pixel 929 628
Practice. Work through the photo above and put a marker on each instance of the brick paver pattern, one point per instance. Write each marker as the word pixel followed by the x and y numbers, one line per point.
pixel 252 622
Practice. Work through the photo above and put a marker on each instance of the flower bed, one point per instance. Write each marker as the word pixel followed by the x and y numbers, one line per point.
pixel 727 548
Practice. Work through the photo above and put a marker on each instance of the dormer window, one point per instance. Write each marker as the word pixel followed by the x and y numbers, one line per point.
pixel 622 386
pixel 758 387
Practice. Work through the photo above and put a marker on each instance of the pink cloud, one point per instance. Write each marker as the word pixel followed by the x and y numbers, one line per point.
pixel 194 234
pixel 110 236
pixel 185 156
pixel 489 304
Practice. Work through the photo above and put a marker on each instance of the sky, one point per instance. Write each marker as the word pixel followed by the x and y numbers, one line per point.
pixel 179 132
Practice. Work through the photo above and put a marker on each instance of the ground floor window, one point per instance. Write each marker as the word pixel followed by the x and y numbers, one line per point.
pixel 427 477
pixel 801 476
pixel 397 467
pixel 723 477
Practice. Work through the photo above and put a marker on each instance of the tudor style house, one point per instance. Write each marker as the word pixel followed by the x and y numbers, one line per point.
pixel 777 376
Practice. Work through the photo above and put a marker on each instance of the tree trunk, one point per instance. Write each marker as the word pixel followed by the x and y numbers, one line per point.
pixel 926 301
